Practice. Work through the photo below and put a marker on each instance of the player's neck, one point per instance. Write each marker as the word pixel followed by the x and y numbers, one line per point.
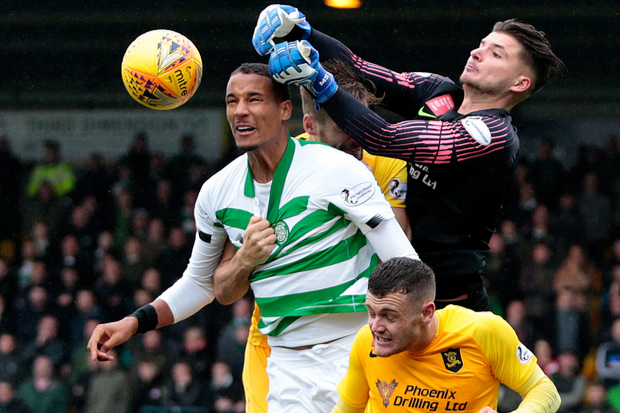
pixel 475 100
pixel 265 160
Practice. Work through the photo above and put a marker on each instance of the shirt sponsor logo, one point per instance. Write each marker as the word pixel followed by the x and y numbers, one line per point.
pixel 358 194
pixel 386 390
pixel 440 104
pixel 524 355
pixel 452 359
pixel 477 129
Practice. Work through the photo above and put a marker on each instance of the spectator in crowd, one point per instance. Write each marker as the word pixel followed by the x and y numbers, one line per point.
pixel 183 389
pixel 30 312
pixel 570 382
pixel 502 272
pixel 44 206
pixel 86 309
pixel 518 319
pixel 546 359
pixel 109 390
pixel 138 160
pixel 164 206
pixel 536 283
pixel 596 213
pixel 547 174
pixel 94 179
pixel 54 170
pixel 173 259
pixel 226 391
pixel 196 352
pixel 133 263
pixel 610 305
pixel 8 402
pixel 43 392
pixel 608 358
pixel 595 400
pixel 147 385
pixel 10 196
pixel 155 241
pixel 111 289
pixel 10 359
pixel 178 167
pixel 47 343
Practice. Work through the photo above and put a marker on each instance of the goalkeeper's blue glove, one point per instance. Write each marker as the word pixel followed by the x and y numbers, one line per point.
pixel 297 63
pixel 277 21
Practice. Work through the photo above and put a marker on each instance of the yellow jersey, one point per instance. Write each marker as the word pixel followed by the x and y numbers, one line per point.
pixel 459 371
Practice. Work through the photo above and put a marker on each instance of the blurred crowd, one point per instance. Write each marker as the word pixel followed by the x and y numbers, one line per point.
pixel 86 243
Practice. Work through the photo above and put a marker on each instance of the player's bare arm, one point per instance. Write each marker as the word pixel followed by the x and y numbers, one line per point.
pixel 231 277
pixel 107 336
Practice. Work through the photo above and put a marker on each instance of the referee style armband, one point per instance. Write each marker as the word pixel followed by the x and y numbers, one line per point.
pixel 147 318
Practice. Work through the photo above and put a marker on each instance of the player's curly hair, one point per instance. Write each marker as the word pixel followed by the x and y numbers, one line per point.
pixel 538 53
pixel 404 275
pixel 281 91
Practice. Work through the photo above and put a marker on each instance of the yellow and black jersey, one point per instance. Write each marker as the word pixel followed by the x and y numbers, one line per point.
pixel 460 371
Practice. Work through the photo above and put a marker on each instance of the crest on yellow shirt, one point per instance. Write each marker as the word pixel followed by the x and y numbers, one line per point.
pixel 386 390
pixel 452 359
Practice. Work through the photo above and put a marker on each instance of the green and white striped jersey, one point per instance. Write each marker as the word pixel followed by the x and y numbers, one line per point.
pixel 321 203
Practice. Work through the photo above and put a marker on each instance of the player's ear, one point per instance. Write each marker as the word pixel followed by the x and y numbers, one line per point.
pixel 308 123
pixel 521 84
pixel 287 109
pixel 428 310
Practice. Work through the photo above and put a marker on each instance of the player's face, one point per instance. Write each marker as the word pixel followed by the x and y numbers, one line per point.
pixel 255 116
pixel 329 133
pixel 394 322
pixel 496 66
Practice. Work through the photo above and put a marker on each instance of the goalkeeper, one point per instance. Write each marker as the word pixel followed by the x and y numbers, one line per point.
pixel 459 141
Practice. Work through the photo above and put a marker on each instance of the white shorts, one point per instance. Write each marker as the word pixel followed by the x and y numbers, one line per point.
pixel 304 381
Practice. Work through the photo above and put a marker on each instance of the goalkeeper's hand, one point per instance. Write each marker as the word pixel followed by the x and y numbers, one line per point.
pixel 277 21
pixel 297 63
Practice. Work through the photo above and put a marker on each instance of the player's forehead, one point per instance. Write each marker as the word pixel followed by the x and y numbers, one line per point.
pixel 394 302
pixel 503 41
pixel 246 84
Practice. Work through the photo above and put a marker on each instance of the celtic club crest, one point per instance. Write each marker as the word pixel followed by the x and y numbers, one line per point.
pixel 281 230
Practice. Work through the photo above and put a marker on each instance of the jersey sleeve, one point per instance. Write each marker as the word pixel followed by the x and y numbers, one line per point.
pixel 356 193
pixel 512 363
pixel 402 93
pixel 194 289
pixel 354 389
pixel 423 141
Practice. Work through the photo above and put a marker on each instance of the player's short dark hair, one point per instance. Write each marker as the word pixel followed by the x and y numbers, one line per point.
pixel 348 81
pixel 280 91
pixel 404 275
pixel 538 53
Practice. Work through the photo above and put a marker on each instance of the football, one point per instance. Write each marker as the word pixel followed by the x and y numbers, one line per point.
pixel 161 69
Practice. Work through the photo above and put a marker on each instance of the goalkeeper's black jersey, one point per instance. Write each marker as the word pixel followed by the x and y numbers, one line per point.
pixel 459 166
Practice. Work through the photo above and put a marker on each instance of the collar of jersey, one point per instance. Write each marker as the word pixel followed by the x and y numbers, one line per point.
pixel 277 184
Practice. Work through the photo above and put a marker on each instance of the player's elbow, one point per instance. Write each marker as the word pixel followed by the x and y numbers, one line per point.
pixel 226 295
